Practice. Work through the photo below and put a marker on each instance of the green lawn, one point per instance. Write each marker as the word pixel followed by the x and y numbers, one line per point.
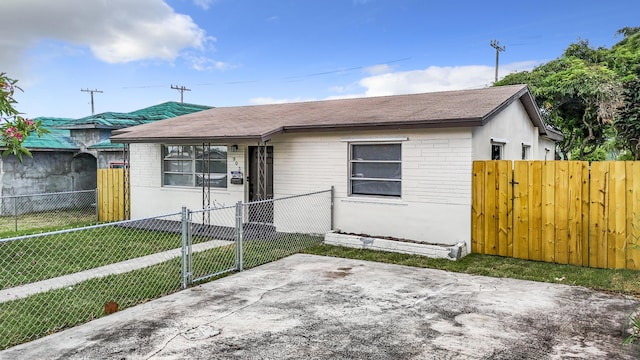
pixel 45 313
pixel 616 281
pixel 44 257
pixel 47 220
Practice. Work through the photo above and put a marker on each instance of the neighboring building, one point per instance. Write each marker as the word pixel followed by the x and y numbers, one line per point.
pixel 400 165
pixel 67 157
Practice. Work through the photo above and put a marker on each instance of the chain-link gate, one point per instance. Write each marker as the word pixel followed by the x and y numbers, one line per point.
pixel 233 238
pixel 59 279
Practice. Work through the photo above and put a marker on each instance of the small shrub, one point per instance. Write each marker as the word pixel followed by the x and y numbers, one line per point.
pixel 635 329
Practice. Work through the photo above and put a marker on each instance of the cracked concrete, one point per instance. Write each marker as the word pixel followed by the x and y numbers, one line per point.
pixel 316 307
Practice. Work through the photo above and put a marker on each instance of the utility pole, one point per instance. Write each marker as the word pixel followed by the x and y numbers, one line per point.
pixel 496 45
pixel 182 89
pixel 91 91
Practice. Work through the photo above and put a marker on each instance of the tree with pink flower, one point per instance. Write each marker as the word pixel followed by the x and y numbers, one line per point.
pixel 14 129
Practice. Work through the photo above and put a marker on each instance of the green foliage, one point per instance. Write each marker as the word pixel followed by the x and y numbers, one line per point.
pixel 576 96
pixel 598 154
pixel 15 129
pixel 625 156
pixel 635 329
pixel 587 92
pixel 628 122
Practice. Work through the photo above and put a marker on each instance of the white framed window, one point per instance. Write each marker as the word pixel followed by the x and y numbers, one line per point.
pixel 497 148
pixel 496 151
pixel 193 165
pixel 375 169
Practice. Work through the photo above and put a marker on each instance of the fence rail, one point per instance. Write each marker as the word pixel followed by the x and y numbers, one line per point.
pixel 33 211
pixel 567 212
pixel 59 279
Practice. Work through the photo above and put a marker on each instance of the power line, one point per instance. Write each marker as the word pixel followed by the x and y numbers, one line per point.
pixel 91 92
pixel 496 45
pixel 182 89
pixel 289 78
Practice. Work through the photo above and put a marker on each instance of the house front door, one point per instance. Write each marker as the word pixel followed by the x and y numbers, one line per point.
pixel 261 184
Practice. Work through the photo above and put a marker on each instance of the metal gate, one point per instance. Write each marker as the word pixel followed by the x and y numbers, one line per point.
pixel 227 242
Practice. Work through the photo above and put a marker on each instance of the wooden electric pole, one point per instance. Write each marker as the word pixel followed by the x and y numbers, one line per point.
pixel 496 45
pixel 182 89
pixel 91 92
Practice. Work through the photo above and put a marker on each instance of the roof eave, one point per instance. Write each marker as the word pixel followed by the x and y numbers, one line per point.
pixel 420 124
pixel 430 124
pixel 184 140
pixel 554 135
pixel 32 149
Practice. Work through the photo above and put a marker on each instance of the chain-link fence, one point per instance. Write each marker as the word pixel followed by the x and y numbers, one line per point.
pixel 50 210
pixel 255 233
pixel 57 280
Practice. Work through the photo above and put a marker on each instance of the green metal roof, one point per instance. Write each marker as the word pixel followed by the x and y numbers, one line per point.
pixel 59 136
pixel 106 145
pixel 56 139
pixel 116 120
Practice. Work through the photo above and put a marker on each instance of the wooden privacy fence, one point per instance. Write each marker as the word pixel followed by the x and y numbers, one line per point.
pixel 567 212
pixel 113 198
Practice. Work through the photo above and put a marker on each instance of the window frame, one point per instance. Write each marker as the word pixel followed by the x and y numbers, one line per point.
pixel 500 149
pixel 193 160
pixel 526 151
pixel 352 161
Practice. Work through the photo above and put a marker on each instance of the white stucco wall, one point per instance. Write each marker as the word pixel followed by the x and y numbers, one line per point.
pixel 435 205
pixel 150 198
pixel 436 183
pixel 513 125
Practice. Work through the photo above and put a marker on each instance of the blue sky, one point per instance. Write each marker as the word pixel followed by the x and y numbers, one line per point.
pixel 243 52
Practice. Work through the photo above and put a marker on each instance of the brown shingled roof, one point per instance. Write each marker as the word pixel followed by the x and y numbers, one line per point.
pixel 463 108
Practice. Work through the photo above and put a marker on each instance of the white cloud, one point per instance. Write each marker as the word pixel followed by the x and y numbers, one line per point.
pixel 116 31
pixel 378 69
pixel 203 63
pixel 437 78
pixel 204 4
pixel 433 78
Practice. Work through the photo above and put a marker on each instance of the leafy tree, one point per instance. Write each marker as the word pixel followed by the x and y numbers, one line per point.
pixel 628 122
pixel 598 154
pixel 14 129
pixel 587 92
pixel 577 96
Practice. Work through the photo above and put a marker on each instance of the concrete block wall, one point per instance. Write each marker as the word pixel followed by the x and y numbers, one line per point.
pixel 436 182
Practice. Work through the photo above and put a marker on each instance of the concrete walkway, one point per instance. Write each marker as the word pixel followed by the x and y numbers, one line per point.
pixel 313 307
pixel 26 290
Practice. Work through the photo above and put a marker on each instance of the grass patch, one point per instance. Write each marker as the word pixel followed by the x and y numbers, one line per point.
pixel 620 281
pixel 45 313
pixel 44 257
pixel 254 253
pixel 44 221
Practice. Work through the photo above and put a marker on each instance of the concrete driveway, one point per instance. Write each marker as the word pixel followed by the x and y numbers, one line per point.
pixel 313 307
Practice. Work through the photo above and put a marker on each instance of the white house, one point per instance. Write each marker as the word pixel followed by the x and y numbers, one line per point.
pixel 400 165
